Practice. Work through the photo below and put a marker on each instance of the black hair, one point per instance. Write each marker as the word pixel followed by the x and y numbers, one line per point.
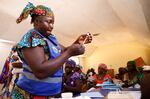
pixel 122 70
pixel 91 70
pixel 131 64
pixel 33 17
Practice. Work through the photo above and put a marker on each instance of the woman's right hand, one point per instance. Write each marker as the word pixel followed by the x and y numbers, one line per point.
pixel 84 39
pixel 76 49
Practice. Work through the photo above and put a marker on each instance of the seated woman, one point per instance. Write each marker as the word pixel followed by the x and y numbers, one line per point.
pixel 132 75
pixel 78 69
pixel 11 73
pixel 123 74
pixel 102 75
pixel 72 80
pixel 90 80
pixel 89 75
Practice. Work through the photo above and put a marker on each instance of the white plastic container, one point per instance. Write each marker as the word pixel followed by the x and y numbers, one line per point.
pixel 67 95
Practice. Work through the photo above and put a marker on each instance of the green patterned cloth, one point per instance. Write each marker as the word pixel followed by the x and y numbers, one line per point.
pixel 30 9
pixel 32 39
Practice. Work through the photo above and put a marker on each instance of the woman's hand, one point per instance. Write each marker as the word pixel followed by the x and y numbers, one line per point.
pixel 84 39
pixel 76 49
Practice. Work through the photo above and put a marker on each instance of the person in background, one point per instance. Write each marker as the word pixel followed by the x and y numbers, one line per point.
pixel 78 69
pixel 140 74
pixel 122 77
pixel 132 74
pixel 102 75
pixel 123 74
pixel 90 73
pixel 43 56
pixel 145 83
pixel 72 80
pixel 90 80
pixel 8 78
pixel 15 73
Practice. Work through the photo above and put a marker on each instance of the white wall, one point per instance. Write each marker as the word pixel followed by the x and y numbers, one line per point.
pixel 117 55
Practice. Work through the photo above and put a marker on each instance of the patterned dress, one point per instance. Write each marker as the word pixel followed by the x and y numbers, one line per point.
pixel 30 40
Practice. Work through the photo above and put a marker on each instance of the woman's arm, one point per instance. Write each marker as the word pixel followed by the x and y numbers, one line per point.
pixel 63 48
pixel 77 88
pixel 41 67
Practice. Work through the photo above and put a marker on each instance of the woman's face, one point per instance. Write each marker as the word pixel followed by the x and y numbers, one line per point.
pixel 44 24
pixel 131 67
pixel 101 70
pixel 122 71
pixel 68 69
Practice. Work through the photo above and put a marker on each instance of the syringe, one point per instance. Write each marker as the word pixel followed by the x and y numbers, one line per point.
pixel 88 34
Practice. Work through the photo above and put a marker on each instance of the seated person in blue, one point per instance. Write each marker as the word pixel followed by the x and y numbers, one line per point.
pixel 42 56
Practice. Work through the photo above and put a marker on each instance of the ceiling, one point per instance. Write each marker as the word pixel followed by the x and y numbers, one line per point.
pixel 117 21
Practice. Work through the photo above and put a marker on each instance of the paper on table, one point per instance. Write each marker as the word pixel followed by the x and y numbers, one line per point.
pixel 125 95
pixel 105 84
pixel 92 94
pixel 136 94
pixel 116 95
pixel 91 89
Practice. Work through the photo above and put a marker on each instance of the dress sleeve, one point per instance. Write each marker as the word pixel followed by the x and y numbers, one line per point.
pixel 31 39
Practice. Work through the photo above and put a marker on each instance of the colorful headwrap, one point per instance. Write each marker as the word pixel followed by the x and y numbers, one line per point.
pixel 39 10
pixel 71 63
pixel 102 65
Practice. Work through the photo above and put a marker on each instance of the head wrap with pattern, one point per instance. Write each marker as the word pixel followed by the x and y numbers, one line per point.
pixel 102 65
pixel 70 63
pixel 30 9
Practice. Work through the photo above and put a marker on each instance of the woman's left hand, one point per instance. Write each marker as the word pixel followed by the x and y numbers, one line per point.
pixel 84 39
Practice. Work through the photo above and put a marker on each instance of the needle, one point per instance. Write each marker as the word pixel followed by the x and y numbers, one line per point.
pixel 96 34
